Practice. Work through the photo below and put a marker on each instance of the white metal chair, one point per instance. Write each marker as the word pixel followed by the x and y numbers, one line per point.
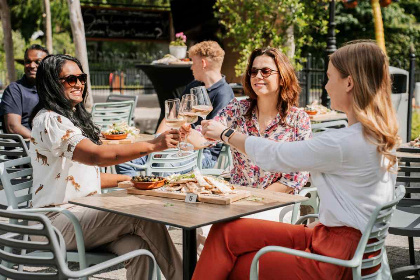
pixel 167 162
pixel 105 114
pixel 406 220
pixel 17 239
pixel 377 228
pixel 313 201
pixel 16 177
pixel 224 161
pixel 12 146
pixel 123 97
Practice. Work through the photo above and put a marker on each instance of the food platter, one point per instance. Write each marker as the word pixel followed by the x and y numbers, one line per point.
pixel 208 189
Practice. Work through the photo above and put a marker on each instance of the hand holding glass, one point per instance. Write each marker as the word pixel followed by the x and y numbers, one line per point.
pixel 172 117
pixel 187 113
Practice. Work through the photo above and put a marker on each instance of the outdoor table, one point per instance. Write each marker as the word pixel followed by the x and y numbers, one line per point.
pixel 407 153
pixel 169 81
pixel 187 216
pixel 328 117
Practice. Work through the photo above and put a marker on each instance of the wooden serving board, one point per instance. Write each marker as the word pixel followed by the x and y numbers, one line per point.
pixel 207 198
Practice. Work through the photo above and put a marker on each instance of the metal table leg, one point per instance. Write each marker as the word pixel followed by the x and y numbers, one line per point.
pixel 189 252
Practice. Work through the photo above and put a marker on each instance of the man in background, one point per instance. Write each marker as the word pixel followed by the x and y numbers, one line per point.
pixel 207 58
pixel 20 97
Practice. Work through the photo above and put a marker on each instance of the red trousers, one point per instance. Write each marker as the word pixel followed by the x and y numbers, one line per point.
pixel 230 248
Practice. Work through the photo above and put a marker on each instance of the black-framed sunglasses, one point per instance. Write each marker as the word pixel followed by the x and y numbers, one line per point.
pixel 71 80
pixel 265 72
pixel 27 62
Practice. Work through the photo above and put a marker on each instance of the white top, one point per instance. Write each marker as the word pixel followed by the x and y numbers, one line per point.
pixel 346 168
pixel 57 178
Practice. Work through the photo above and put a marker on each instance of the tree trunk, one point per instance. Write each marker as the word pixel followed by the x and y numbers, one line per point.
pixel 290 42
pixel 48 29
pixel 8 41
pixel 379 25
pixel 79 39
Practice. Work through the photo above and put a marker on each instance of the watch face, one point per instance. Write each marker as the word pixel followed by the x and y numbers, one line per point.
pixel 229 132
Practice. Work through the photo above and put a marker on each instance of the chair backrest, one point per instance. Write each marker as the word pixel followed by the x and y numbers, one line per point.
pixel 376 231
pixel 169 162
pixel 408 174
pixel 104 114
pixel 16 178
pixel 322 126
pixel 121 97
pixel 12 146
pixel 16 240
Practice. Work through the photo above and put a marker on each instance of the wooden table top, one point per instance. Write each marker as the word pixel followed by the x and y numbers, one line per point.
pixel 139 138
pixel 186 215
pixel 328 117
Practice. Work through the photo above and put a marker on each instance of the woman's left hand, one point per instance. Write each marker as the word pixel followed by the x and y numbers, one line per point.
pixel 212 129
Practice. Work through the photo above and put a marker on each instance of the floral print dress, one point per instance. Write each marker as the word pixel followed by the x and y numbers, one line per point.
pixel 297 128
pixel 56 177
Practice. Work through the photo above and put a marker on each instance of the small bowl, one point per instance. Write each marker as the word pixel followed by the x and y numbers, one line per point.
pixel 311 113
pixel 115 136
pixel 148 185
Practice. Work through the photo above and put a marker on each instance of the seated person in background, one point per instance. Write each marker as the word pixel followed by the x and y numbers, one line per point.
pixel 354 169
pixel 66 153
pixel 270 112
pixel 20 97
pixel 207 58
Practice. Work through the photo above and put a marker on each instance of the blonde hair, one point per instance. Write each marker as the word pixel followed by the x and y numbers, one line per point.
pixel 210 50
pixel 368 66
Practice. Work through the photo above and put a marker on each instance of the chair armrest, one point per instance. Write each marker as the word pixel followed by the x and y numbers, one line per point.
pixel 299 253
pixel 101 266
pixel 306 217
pixel 305 191
pixel 143 166
pixel 77 229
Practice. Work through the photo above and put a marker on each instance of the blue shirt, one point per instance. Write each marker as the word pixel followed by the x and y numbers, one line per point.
pixel 19 98
pixel 220 94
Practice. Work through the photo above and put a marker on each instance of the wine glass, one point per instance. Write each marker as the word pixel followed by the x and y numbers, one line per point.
pixel 172 117
pixel 203 107
pixel 187 113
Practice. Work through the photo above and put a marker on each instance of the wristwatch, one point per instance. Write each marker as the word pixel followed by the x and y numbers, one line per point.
pixel 228 134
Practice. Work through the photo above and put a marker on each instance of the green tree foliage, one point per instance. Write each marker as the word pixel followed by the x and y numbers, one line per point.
pixel 400 26
pixel 253 24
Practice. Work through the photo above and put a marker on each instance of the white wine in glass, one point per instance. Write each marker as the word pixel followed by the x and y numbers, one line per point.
pixel 172 117
pixel 187 113
pixel 175 123
pixel 202 110
pixel 204 106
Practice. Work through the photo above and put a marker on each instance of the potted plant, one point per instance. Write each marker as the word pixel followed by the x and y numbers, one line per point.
pixel 178 48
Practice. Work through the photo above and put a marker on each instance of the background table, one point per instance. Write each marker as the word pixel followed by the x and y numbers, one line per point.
pixel 187 216
pixel 328 117
pixel 169 81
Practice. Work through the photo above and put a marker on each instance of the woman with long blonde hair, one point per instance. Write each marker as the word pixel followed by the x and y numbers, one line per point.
pixel 352 168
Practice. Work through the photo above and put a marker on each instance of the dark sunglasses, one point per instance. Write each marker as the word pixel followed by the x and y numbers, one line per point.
pixel 27 62
pixel 71 80
pixel 265 72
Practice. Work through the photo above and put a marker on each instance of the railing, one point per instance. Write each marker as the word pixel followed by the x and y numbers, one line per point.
pixel 133 81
